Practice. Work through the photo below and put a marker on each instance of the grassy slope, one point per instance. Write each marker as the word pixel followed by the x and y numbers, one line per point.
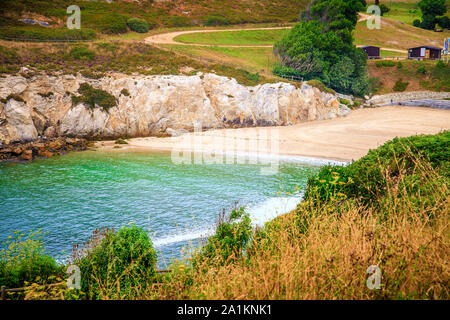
pixel 410 72
pixel 397 35
pixel 163 13
pixel 98 58
pixel 245 37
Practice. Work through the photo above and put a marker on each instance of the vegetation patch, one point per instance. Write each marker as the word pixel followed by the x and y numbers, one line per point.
pixel 23 260
pixel 116 264
pixel 138 25
pixel 319 85
pixel 400 85
pixel 92 97
pixel 45 34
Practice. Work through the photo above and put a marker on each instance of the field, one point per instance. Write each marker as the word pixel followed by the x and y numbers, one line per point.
pixel 243 37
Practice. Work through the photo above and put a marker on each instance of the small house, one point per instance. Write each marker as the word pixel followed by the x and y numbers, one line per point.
pixel 425 53
pixel 372 52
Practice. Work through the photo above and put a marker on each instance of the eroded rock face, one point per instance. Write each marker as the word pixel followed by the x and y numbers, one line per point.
pixel 156 105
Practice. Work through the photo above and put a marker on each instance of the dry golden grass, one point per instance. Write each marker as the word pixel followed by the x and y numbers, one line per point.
pixel 406 235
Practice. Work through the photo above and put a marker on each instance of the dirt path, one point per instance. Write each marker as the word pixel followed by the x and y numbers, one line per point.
pixel 345 139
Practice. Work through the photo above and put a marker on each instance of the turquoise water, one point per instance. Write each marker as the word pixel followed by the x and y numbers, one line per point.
pixel 70 196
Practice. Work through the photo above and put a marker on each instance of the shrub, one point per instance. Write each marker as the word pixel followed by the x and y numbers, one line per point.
pixel 364 179
pixel 93 97
pixel 216 20
pixel 228 243
pixel 417 23
pixel 344 101
pixel 356 104
pixel 138 25
pixel 384 9
pixel 375 84
pixel 421 70
pixel 399 65
pixel 120 141
pixel 111 23
pixel 319 85
pixel 82 53
pixel 9 56
pixel 400 86
pixel 23 260
pixel 41 33
pixel 125 92
pixel 177 21
pixel 122 262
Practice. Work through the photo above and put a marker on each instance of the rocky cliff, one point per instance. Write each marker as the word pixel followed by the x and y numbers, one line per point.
pixel 42 106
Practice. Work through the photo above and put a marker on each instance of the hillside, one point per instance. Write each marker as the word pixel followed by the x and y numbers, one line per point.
pixel 111 18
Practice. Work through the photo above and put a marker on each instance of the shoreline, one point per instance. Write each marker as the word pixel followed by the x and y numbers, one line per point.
pixel 341 139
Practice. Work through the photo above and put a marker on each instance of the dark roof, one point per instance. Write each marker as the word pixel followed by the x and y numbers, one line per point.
pixel 362 47
pixel 428 47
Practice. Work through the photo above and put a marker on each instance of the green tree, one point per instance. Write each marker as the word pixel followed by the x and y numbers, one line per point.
pixel 321 47
pixel 431 10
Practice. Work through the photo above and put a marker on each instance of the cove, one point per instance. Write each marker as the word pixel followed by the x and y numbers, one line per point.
pixel 70 196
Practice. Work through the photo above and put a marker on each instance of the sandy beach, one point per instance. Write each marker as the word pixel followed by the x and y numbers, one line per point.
pixel 343 139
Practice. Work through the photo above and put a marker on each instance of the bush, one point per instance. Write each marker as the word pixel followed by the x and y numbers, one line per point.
pixel 41 33
pixel 119 264
pixel 319 85
pixel 344 101
pixel 82 53
pixel 93 97
pixel 421 70
pixel 177 21
pixel 400 86
pixel 216 20
pixel 417 23
pixel 384 9
pixel 385 63
pixel 375 84
pixel 364 179
pixel 399 65
pixel 9 56
pixel 111 23
pixel 228 243
pixel 138 25
pixel 23 260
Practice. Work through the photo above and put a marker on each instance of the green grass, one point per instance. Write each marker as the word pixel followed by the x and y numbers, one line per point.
pixel 252 59
pixel 110 17
pixel 405 12
pixel 245 37
pixel 387 53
